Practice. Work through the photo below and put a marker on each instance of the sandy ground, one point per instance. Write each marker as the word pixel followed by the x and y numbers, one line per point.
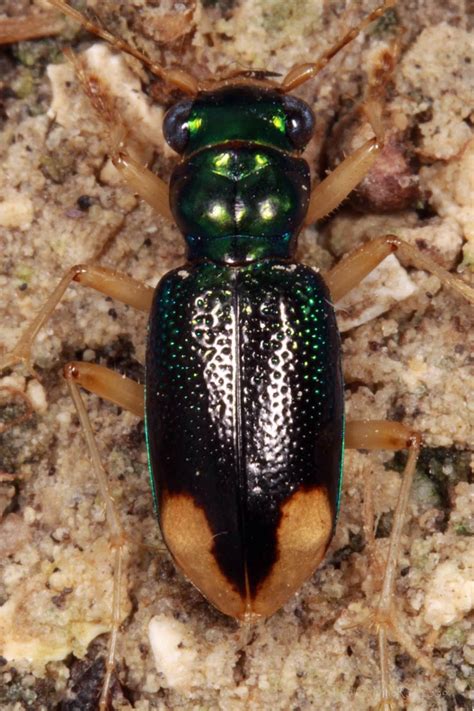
pixel 60 204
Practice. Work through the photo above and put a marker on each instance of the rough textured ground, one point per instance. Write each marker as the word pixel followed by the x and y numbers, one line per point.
pixel 410 364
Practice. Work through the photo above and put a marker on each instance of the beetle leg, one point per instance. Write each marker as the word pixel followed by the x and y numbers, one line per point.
pixel 353 269
pixel 379 77
pixel 27 27
pixel 331 191
pixel 107 384
pixel 118 539
pixel 178 78
pixel 377 434
pixel 130 395
pixel 150 187
pixel 300 73
pixel 108 281
pixel 385 434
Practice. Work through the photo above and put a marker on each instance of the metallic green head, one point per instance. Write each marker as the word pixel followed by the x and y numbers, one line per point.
pixel 241 191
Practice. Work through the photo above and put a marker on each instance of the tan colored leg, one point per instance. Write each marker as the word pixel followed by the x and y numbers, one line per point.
pixel 149 186
pixel 108 281
pixel 114 387
pixel 300 73
pixel 107 384
pixel 329 193
pixel 384 434
pixel 378 434
pixel 26 27
pixel 118 540
pixel 176 77
pixel 350 271
pixel 130 395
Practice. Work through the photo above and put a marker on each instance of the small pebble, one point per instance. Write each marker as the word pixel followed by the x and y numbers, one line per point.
pixel 37 396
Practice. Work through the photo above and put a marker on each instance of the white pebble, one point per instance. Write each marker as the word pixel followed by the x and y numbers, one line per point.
pixel 377 293
pixel 174 651
pixel 64 418
pixel 16 212
pixel 450 596
pixel 37 396
pixel 29 515
pixel 17 382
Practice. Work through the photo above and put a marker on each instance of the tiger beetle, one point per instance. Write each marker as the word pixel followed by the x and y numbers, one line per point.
pixel 243 401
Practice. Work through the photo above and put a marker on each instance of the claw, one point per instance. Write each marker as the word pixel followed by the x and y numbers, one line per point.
pixel 387 705
pixel 9 360
pixel 386 623
pixel 390 620
pixel 17 356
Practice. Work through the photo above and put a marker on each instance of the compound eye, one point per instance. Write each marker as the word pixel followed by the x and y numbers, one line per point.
pixel 300 121
pixel 175 125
